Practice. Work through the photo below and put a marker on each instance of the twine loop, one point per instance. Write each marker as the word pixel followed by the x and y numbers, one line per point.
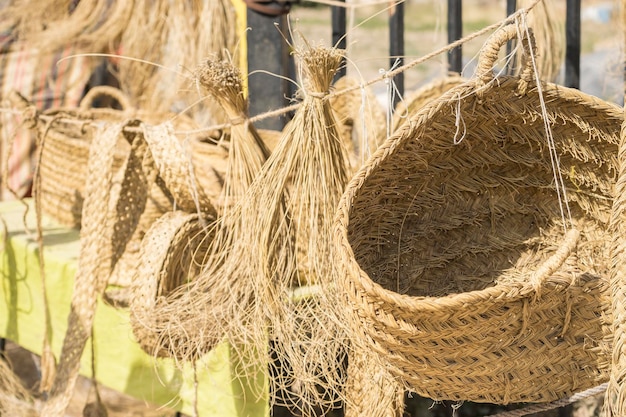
pixel 238 121
pixel 318 94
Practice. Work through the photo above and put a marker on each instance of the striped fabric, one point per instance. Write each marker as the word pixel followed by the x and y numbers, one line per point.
pixel 47 83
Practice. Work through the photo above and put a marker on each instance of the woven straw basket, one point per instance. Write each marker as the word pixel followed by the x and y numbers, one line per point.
pixel 65 154
pixel 453 255
pixel 171 255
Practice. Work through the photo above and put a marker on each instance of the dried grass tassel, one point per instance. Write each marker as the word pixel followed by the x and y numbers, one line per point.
pixel 274 242
pixel 247 151
pixel 287 246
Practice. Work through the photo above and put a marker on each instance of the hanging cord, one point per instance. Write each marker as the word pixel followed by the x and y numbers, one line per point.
pixel 566 215
pixel 555 404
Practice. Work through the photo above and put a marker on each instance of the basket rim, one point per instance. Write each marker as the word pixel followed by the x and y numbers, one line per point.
pixel 341 221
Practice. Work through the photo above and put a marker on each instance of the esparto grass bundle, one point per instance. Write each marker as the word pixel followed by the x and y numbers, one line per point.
pixel 250 289
pixel 246 153
pixel 453 255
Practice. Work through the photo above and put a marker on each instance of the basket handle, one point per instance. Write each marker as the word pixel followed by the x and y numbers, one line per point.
pixel 489 54
pixel 554 262
pixel 104 91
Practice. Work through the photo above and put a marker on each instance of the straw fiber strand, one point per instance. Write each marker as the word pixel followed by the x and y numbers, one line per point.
pixel 442 235
pixel 422 96
pixel 360 120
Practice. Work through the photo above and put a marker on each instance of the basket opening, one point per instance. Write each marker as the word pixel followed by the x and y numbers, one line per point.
pixel 435 218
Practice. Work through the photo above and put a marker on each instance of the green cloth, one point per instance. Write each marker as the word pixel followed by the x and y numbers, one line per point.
pixel 120 362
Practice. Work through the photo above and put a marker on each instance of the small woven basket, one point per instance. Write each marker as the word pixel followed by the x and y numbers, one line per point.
pixel 64 157
pixel 171 255
pixel 452 251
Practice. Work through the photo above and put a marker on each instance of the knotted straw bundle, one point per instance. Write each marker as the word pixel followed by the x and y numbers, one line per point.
pixel 209 238
pixel 249 289
pixel 452 253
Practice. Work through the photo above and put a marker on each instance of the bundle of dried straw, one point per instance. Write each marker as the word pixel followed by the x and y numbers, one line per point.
pixel 246 154
pixel 273 241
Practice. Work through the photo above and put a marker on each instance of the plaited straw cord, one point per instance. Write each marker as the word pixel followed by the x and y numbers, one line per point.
pixel 537 408
pixel 92 269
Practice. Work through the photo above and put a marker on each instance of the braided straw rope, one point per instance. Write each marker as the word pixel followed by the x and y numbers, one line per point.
pixel 370 390
pixel 450 243
pixel 105 232
pixel 92 273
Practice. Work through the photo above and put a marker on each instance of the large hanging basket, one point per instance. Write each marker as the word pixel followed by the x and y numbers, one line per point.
pixel 454 257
